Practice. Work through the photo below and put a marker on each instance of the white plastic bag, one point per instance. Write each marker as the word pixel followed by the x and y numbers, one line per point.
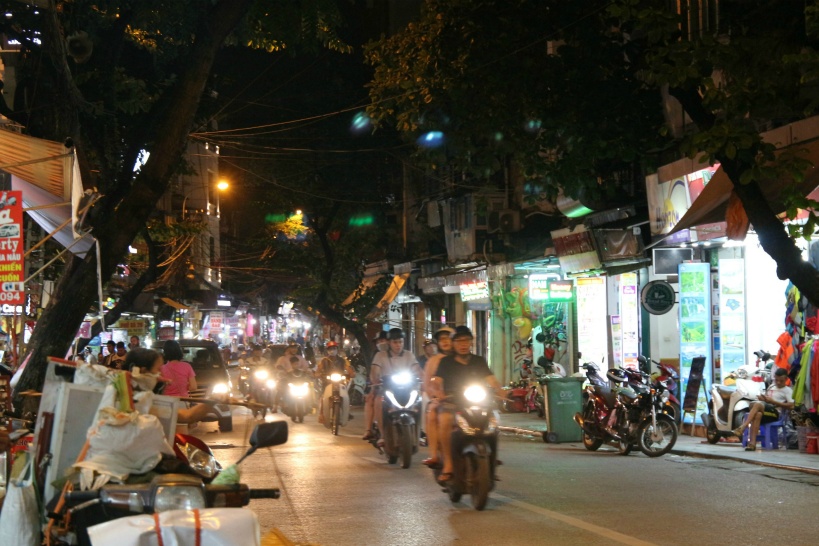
pixel 20 517
pixel 217 527
pixel 125 443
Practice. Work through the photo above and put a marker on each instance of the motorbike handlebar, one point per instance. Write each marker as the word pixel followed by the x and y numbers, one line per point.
pixel 273 493
pixel 79 497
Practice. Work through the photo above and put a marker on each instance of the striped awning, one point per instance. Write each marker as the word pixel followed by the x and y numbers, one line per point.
pixel 44 163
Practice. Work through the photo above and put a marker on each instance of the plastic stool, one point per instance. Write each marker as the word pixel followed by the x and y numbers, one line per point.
pixel 768 434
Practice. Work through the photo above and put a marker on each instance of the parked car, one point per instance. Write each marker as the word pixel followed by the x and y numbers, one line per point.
pixel 211 376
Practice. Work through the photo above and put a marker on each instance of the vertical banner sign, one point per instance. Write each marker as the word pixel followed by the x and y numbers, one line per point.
pixel 630 319
pixel 732 314
pixel 615 341
pixel 695 328
pixel 12 291
pixel 591 320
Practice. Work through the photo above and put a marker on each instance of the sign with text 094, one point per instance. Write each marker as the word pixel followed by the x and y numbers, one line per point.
pixel 12 273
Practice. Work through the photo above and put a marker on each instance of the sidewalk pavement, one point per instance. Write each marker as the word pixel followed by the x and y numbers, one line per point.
pixel 693 446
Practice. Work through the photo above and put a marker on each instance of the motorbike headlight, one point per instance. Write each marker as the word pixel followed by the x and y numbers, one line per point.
pixel 271 383
pixel 412 398
pixel 298 390
pixel 391 397
pixel 664 396
pixel 200 461
pixel 261 374
pixel 402 378
pixel 336 377
pixel 175 497
pixel 220 388
pixel 475 394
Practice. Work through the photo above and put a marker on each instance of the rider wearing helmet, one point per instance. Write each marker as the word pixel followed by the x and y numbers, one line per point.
pixel 285 362
pixel 332 362
pixel 393 360
pixel 443 337
pixel 455 372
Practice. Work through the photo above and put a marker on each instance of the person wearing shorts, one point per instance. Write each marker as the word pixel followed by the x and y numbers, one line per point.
pixel 770 407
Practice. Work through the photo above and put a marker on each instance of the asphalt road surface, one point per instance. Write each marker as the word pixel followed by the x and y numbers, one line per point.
pixel 337 490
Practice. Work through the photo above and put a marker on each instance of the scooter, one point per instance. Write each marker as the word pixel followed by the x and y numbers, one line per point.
pixel 474 447
pixel 298 390
pixel 90 515
pixel 728 407
pixel 401 415
pixel 336 406
pixel 603 412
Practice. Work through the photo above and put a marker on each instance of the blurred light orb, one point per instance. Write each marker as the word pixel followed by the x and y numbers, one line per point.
pixel 532 125
pixel 361 123
pixel 498 136
pixel 430 139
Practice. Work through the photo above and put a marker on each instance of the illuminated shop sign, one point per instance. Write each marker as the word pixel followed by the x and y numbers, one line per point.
pixel 539 285
pixel 561 290
pixel 474 291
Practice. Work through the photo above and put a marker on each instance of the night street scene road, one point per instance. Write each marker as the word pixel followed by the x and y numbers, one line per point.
pixel 409 272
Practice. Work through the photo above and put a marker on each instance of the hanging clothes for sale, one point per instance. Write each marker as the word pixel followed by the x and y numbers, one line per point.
pixel 787 354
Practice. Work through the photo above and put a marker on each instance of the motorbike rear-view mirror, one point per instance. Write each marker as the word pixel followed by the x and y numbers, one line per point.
pixel 269 434
pixel 266 435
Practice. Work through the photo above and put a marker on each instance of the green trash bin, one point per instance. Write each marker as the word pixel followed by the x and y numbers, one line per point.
pixel 563 399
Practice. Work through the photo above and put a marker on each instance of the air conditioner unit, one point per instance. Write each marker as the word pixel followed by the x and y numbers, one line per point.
pixel 504 221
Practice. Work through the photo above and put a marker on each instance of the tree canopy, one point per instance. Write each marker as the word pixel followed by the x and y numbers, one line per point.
pixel 588 77
pixel 119 77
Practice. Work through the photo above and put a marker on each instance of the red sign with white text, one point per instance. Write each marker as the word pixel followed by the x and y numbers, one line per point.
pixel 12 274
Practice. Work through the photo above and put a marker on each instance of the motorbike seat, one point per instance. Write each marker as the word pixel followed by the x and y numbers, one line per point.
pixel 725 391
pixel 628 393
pixel 606 394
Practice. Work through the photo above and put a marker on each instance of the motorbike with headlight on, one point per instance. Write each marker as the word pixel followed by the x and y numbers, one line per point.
pixel 298 394
pixel 474 445
pixel 259 384
pixel 336 402
pixel 400 419
pixel 185 485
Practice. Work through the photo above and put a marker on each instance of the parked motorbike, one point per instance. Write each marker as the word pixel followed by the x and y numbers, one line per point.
pixel 667 380
pixel 516 399
pixel 298 393
pixel 173 491
pixel 474 447
pixel 644 418
pixel 336 406
pixel 398 436
pixel 728 407
pixel 601 407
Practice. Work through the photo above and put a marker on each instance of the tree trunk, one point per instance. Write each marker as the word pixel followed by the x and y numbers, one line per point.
pixel 115 225
pixel 772 233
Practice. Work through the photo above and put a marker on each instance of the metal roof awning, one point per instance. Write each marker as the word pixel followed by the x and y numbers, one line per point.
pixel 712 203
pixel 173 303
pixel 393 289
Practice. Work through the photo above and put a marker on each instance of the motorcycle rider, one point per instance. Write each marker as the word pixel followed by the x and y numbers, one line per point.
pixel 443 337
pixel 332 362
pixel 454 374
pixel 395 359
pixel 381 345
pixel 285 362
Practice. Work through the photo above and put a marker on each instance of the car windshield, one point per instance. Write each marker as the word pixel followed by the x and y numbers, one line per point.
pixel 201 357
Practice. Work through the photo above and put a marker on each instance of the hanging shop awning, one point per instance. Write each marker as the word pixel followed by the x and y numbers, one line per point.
pixel 367 283
pixel 46 164
pixel 393 289
pixel 711 204
pixel 173 303
pixel 47 174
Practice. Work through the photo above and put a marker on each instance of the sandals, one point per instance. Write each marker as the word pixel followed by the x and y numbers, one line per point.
pixel 444 477
pixel 432 463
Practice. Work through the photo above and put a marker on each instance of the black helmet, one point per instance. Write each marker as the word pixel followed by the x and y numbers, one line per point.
pixel 395 333
pixel 462 331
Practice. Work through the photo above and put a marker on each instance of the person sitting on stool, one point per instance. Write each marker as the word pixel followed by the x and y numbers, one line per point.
pixel 769 408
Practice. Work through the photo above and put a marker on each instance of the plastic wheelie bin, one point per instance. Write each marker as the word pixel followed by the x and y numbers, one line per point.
pixel 563 400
